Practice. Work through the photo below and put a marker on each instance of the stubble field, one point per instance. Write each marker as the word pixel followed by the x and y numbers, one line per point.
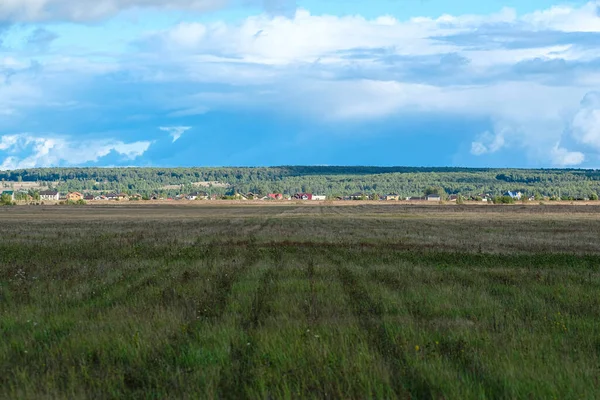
pixel 296 301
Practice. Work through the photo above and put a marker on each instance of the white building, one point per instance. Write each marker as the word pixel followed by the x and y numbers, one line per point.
pixel 50 195
pixel 320 198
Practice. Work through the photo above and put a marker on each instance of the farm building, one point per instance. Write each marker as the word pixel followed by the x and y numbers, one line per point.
pixel 391 197
pixel 275 196
pixel 197 196
pixel 49 195
pixel 318 197
pixel 434 197
pixel 74 196
pixel 303 196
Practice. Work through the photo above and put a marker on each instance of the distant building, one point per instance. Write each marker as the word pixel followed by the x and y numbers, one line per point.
pixel 391 197
pixel 275 196
pixel 414 198
pixel 318 198
pixel 89 197
pixel 74 196
pixel 303 196
pixel 514 195
pixel 359 196
pixel 197 196
pixel 434 197
pixel 50 195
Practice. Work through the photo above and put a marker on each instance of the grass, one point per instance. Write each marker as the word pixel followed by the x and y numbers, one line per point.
pixel 300 302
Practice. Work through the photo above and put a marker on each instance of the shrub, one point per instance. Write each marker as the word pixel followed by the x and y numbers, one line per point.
pixel 6 200
pixel 503 200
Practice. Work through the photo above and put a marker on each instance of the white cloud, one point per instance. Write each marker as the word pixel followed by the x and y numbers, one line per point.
pixel 565 18
pixel 586 123
pixel 488 143
pixel 565 158
pixel 56 151
pixel 8 142
pixel 175 131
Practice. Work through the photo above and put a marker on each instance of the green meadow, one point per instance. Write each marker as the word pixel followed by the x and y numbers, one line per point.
pixel 300 301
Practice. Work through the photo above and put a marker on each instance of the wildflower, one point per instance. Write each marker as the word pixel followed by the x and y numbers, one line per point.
pixel 417 348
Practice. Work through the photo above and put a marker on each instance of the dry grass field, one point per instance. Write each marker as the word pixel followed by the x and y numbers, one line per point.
pixel 300 301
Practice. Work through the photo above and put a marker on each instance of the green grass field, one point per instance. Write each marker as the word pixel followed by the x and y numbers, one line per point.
pixel 300 302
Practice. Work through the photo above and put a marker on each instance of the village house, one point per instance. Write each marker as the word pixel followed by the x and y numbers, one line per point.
pixel 100 197
pixel 89 197
pixel 303 196
pixel 198 196
pixel 415 198
pixel 514 195
pixel 74 196
pixel 434 197
pixel 275 196
pixel 50 195
pixel 359 196
pixel 318 197
pixel 112 196
pixel 391 197
pixel 123 196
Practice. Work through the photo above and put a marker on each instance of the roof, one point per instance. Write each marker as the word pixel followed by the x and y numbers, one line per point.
pixel 11 192
pixel 48 193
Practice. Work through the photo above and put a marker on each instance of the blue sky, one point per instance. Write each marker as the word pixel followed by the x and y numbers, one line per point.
pixel 271 82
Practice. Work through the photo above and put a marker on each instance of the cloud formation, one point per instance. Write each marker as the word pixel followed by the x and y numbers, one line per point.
pixel 586 123
pixel 28 151
pixel 175 131
pixel 525 75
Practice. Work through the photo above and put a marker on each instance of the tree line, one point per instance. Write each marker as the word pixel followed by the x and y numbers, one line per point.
pixel 330 181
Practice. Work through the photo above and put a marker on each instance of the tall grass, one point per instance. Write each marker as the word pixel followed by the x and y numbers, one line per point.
pixel 295 302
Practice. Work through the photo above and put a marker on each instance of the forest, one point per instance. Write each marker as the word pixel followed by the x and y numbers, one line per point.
pixel 326 180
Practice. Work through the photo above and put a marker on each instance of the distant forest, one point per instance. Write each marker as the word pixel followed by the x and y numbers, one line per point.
pixel 325 180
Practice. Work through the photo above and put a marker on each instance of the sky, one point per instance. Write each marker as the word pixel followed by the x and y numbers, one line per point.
pixel 167 83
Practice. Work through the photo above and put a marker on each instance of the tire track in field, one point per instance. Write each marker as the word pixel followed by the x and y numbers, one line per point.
pixel 311 309
pixel 208 310
pixel 406 381
pixel 454 351
pixel 242 372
